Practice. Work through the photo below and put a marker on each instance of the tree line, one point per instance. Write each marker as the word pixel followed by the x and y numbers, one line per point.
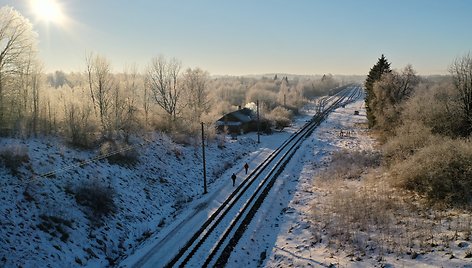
pixel 100 103
pixel 425 126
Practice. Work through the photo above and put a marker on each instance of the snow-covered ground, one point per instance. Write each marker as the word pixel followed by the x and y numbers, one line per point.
pixel 159 249
pixel 280 234
pixel 283 235
pixel 159 202
pixel 42 225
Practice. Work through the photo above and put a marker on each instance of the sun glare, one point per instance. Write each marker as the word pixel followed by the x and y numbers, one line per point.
pixel 47 11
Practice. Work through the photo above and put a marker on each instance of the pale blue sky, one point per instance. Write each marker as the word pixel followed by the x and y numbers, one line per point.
pixel 258 36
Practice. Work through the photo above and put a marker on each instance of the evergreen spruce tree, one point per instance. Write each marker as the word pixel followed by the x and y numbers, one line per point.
pixel 382 66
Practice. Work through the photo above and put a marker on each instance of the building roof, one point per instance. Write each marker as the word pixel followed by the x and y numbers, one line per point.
pixel 244 115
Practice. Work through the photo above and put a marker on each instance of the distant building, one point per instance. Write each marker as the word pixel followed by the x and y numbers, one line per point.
pixel 236 122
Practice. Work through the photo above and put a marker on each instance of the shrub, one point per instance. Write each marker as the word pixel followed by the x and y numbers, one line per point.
pixel 185 135
pixel 281 117
pixel 437 107
pixel 409 138
pixel 351 165
pixel 119 153
pixel 372 217
pixel 97 196
pixel 80 128
pixel 162 123
pixel 13 157
pixel 440 171
pixel 221 168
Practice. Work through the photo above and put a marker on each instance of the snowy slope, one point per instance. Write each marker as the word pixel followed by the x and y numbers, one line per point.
pixel 43 226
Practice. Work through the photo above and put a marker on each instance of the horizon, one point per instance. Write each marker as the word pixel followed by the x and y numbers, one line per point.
pixel 252 37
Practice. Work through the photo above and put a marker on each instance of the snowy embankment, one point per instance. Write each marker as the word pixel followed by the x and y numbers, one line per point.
pixel 43 224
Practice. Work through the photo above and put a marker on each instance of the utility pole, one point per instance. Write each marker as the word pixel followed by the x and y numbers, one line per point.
pixel 204 164
pixel 258 123
pixel 285 100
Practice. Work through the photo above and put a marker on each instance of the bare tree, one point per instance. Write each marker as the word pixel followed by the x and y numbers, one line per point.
pixel 17 46
pixel 146 104
pixel 461 70
pixel 32 85
pixel 35 89
pixel 117 105
pixel 406 83
pixel 162 80
pixel 129 108
pixel 195 85
pixel 101 84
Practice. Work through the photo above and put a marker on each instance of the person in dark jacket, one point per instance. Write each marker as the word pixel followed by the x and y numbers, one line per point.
pixel 233 177
pixel 246 166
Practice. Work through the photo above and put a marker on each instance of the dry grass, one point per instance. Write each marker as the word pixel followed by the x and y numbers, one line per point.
pixel 350 164
pixel 370 217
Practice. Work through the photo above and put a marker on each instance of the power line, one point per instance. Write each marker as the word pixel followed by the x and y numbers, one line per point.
pixel 87 161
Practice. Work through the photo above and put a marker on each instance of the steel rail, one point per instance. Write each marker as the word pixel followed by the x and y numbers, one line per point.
pixel 283 153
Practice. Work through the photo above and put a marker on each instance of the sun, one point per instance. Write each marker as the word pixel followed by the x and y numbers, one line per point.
pixel 48 11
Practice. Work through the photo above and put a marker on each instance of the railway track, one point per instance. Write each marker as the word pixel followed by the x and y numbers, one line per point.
pixel 212 244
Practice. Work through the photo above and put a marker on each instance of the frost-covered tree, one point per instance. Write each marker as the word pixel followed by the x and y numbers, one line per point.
pixel 57 79
pixel 101 85
pixel 17 53
pixel 390 92
pixel 132 84
pixel 195 83
pixel 162 80
pixel 461 71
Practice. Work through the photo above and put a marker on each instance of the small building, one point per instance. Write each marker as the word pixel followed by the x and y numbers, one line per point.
pixel 237 121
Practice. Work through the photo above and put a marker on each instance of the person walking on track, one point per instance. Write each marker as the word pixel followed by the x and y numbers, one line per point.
pixel 233 177
pixel 246 166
